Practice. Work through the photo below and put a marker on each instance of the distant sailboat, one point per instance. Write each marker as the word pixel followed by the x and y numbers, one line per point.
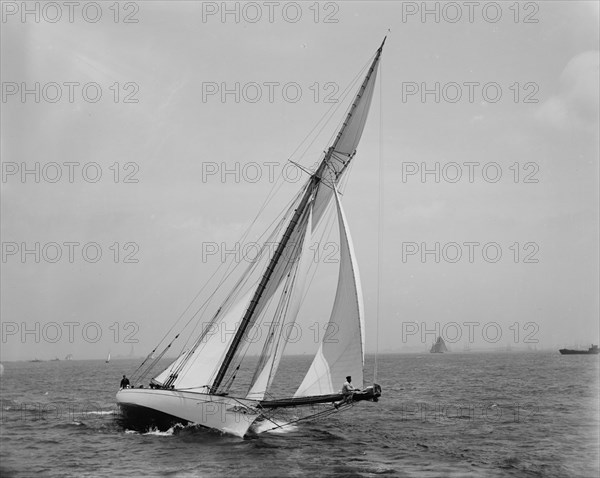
pixel 108 358
pixel 439 347
pixel 195 388
pixel 69 357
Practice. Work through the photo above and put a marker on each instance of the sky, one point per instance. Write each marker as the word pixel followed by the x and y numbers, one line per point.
pixel 138 144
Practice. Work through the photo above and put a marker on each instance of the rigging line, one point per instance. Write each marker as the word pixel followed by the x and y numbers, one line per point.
pixel 272 348
pixel 182 369
pixel 277 185
pixel 202 309
pixel 349 88
pixel 176 322
pixel 244 235
pixel 349 110
pixel 236 288
pixel 229 272
pixel 380 218
pixel 269 348
pixel 335 106
pixel 246 276
pixel 338 104
pixel 321 414
pixel 282 304
pixel 274 231
pixel 324 233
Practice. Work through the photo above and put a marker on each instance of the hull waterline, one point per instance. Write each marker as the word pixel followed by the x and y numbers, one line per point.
pixel 149 408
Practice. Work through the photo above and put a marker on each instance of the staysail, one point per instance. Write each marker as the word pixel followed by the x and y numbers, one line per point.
pixel 341 352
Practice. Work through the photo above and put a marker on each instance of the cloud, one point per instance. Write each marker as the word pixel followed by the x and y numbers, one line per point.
pixel 576 104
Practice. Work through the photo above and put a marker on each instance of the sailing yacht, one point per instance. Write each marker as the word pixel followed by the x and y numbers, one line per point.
pixel 439 347
pixel 196 387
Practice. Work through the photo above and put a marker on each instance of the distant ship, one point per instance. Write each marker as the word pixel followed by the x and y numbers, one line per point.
pixel 439 347
pixel 593 350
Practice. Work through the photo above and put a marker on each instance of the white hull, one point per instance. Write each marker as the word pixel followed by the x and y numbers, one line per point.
pixel 226 414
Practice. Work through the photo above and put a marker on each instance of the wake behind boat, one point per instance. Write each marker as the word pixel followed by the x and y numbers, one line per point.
pixel 195 388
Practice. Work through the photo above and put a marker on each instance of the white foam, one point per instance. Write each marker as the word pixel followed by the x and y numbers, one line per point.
pixel 274 426
pixel 168 433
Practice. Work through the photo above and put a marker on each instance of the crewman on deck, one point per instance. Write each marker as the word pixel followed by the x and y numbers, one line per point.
pixel 347 391
pixel 124 382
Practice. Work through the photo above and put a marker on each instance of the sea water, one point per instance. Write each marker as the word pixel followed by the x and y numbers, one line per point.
pixel 440 415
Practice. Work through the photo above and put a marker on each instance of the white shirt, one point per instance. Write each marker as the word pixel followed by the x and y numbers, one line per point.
pixel 347 388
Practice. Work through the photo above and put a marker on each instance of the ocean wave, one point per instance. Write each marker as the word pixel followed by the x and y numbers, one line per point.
pixel 275 426
pixel 170 432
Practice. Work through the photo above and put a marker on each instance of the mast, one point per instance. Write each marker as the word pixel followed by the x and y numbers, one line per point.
pixel 262 285
pixel 312 188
